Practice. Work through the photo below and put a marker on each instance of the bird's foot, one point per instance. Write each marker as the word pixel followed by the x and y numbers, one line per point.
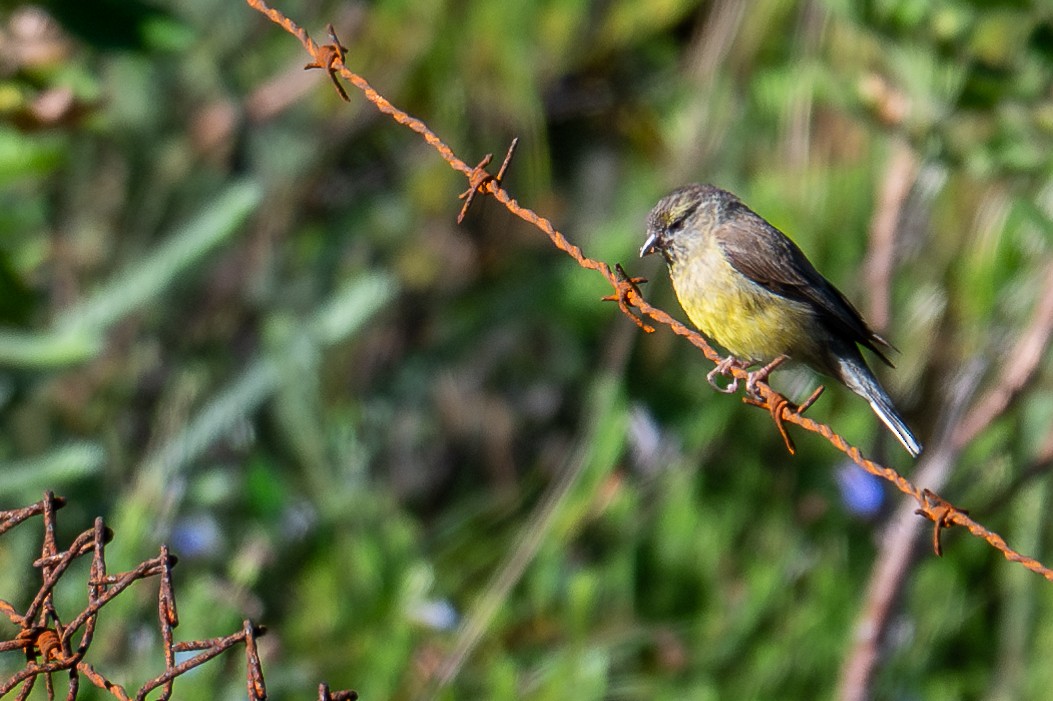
pixel 761 375
pixel 722 369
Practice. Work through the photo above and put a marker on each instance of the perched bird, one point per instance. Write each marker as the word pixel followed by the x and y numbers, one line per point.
pixel 748 287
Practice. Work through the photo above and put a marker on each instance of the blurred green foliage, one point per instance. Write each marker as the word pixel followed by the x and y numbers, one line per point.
pixel 238 317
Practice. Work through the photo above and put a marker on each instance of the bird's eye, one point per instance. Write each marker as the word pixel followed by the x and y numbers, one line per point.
pixel 679 220
pixel 678 217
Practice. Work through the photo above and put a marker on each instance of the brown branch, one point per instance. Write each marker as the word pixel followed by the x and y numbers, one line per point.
pixel 1023 364
pixel 898 552
pixel 1041 464
pixel 900 174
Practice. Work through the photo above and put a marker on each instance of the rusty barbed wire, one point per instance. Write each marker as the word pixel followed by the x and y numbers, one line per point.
pixel 328 56
pixel 324 694
pixel 627 294
pixel 45 640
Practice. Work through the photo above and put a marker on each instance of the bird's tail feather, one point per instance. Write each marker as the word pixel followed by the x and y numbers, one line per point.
pixel 891 418
pixel 855 374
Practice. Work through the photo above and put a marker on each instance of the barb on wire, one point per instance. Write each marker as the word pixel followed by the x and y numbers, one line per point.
pixel 479 177
pixel 628 287
pixel 776 407
pixel 937 510
pixel 327 57
pixel 628 296
pixel 46 642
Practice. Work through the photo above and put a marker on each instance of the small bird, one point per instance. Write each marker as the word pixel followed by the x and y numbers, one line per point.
pixel 748 287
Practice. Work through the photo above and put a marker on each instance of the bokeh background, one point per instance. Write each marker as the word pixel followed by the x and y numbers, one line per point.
pixel 238 317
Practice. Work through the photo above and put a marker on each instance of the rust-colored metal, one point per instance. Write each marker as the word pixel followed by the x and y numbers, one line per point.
pixel 50 645
pixel 115 690
pixel 778 407
pixel 761 375
pixel 254 678
pixel 480 177
pixel 328 56
pixel 46 642
pixel 166 614
pixel 9 519
pixel 625 287
pixel 629 298
pixel 325 695
pixel 939 511
pixel 476 179
pixel 803 406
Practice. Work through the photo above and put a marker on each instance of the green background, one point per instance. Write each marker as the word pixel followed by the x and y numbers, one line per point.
pixel 238 317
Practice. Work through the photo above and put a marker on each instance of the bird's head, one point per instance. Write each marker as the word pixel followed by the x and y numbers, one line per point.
pixel 682 218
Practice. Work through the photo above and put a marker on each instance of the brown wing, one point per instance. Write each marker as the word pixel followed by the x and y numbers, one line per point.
pixel 765 255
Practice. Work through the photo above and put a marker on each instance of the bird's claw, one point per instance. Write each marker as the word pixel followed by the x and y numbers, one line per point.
pixel 751 384
pixel 761 375
pixel 722 369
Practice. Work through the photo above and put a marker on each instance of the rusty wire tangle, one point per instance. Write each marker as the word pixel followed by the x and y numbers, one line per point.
pixel 330 57
pixel 51 647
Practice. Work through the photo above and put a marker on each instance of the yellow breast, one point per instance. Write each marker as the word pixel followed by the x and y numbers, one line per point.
pixel 746 319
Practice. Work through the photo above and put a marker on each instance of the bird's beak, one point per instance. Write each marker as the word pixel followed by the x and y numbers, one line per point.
pixel 650 245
